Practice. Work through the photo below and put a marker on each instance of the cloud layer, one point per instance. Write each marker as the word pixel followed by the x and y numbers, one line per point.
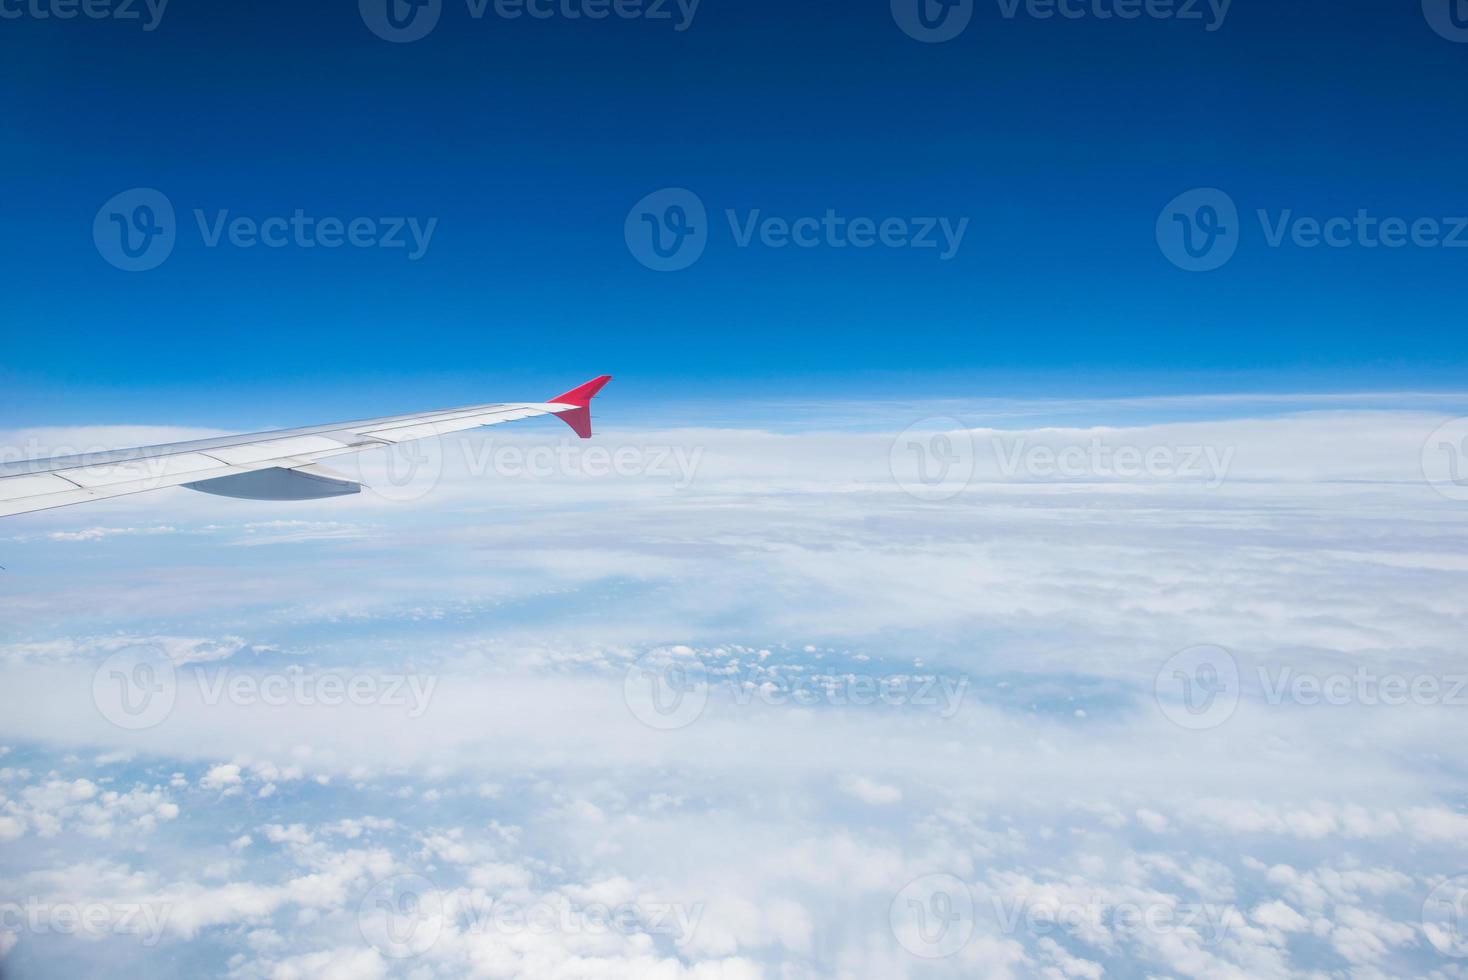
pixel 805 704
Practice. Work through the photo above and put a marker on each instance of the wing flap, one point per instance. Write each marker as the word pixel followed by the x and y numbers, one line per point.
pixel 276 449
pixel 107 474
pixel 33 485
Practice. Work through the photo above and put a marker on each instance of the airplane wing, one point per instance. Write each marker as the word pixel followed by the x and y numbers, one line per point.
pixel 264 466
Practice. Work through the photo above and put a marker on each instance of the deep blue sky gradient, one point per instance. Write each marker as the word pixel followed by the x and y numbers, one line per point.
pixel 530 141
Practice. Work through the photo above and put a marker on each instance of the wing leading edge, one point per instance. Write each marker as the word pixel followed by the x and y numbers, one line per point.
pixel 280 465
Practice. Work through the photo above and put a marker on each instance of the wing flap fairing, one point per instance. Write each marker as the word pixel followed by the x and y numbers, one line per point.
pixel 279 483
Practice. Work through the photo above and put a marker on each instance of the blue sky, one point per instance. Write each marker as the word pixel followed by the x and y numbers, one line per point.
pixel 529 141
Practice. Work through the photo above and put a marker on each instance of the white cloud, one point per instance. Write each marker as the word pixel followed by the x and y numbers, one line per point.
pixel 1278 915
pixel 347 963
pixel 294 834
pixel 98 533
pixel 868 791
pixel 225 776
pixel 784 831
pixel 1152 820
pixel 11 828
pixel 53 806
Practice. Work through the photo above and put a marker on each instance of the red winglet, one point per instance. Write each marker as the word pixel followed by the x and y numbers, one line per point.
pixel 579 418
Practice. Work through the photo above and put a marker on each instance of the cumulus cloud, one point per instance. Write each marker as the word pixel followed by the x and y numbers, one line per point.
pixel 864 789
pixel 52 806
pixel 225 776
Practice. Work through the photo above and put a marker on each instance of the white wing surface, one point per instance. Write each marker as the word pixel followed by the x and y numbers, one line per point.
pixel 263 466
